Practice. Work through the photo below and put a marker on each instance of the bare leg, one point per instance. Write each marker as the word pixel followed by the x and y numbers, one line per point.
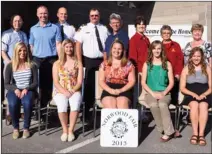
pixel 72 121
pixel 109 102
pixel 122 102
pixel 194 114
pixel 203 118
pixel 63 116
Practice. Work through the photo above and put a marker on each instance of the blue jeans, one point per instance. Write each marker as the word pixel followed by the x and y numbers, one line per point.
pixel 14 108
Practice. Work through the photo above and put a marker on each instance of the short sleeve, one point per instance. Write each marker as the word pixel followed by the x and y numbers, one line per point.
pixel 107 46
pixel 102 66
pixel 58 34
pixel 31 37
pixel 130 66
pixel 4 42
pixel 78 35
pixel 25 39
pixel 208 49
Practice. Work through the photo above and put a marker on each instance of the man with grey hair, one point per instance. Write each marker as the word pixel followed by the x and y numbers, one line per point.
pixel 118 33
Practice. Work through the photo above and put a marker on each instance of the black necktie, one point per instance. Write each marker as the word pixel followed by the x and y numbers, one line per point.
pixel 98 39
pixel 62 32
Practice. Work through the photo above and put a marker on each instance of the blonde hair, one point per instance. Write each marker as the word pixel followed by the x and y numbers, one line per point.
pixel 197 27
pixel 15 57
pixel 124 60
pixel 62 57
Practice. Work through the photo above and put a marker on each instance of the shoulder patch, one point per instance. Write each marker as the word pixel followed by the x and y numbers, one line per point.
pixel 83 25
pixel 73 26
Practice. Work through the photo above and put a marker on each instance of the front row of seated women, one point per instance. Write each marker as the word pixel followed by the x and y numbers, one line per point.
pixel 117 79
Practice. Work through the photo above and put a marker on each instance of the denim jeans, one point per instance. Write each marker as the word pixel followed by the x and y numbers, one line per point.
pixel 14 108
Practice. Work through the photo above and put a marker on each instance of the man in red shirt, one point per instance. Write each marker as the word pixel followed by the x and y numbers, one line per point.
pixel 138 53
pixel 174 54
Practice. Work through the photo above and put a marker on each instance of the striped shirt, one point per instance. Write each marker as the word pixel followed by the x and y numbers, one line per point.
pixel 22 78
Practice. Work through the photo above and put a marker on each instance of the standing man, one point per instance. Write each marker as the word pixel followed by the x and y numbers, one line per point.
pixel 138 53
pixel 116 24
pixel 67 31
pixel 90 44
pixel 45 41
pixel 9 38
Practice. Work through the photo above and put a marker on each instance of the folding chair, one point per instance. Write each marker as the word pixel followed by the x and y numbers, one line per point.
pixel 97 104
pixel 36 106
pixel 185 108
pixel 144 107
pixel 52 106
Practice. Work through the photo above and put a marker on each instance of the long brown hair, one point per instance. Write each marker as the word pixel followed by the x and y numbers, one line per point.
pixel 62 57
pixel 162 55
pixel 191 68
pixel 124 60
pixel 16 59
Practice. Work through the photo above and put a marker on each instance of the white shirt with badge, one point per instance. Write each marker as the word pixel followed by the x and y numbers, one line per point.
pixel 69 30
pixel 87 36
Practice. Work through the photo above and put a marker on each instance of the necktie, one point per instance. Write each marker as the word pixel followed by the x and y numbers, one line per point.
pixel 98 39
pixel 62 32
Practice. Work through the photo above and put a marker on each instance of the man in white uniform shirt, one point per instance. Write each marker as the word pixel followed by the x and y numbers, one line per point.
pixel 67 31
pixel 90 44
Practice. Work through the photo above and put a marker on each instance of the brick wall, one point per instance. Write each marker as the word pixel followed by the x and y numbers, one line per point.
pixel 183 13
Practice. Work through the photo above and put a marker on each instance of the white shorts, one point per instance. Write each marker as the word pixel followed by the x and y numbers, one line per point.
pixel 62 102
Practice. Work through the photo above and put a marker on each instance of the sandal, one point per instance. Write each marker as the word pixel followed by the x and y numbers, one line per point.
pixel 194 139
pixel 168 137
pixel 203 141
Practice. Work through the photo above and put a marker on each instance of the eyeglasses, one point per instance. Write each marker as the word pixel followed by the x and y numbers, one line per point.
pixel 94 15
pixel 166 33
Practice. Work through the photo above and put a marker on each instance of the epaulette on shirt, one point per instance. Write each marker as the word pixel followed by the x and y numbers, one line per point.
pixel 83 25
pixel 73 26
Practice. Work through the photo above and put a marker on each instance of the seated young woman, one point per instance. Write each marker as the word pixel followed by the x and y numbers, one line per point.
pixel 158 80
pixel 21 81
pixel 117 78
pixel 195 84
pixel 67 78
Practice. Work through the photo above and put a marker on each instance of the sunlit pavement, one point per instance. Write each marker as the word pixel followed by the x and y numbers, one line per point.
pixel 150 141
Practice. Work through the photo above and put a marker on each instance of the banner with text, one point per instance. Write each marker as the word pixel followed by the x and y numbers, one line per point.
pixel 119 128
pixel 181 33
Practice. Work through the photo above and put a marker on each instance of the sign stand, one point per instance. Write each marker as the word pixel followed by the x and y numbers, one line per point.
pixel 119 128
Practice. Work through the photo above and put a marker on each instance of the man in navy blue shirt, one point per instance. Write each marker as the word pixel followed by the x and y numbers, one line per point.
pixel 118 33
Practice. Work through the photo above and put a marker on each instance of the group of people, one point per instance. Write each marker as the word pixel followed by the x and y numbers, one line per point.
pixel 60 53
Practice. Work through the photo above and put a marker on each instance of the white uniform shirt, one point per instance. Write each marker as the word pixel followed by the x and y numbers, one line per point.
pixel 69 30
pixel 87 36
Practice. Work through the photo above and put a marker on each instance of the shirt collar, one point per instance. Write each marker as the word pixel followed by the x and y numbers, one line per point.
pixel 15 31
pixel 140 36
pixel 65 23
pixel 47 25
pixel 119 32
pixel 170 43
pixel 92 25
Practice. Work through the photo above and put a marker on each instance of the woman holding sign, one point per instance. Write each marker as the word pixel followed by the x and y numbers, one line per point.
pixel 117 78
pixel 158 81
